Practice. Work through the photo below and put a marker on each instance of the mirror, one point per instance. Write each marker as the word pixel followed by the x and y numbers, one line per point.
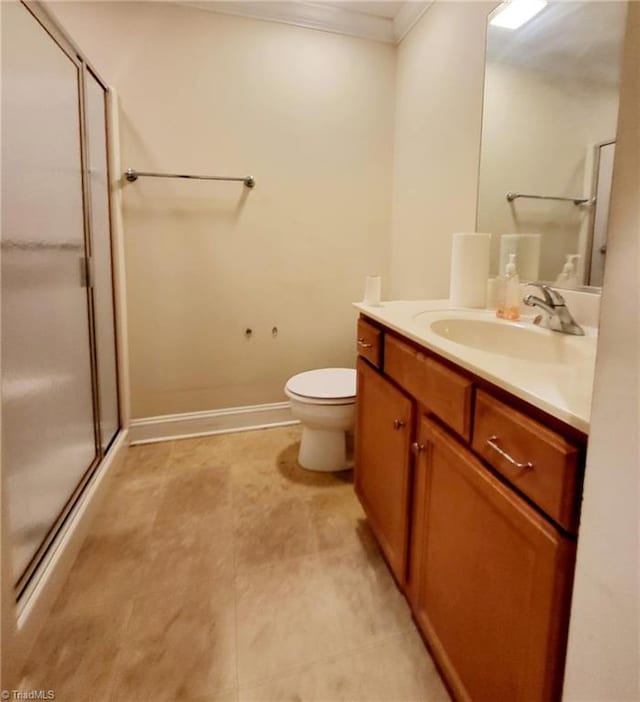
pixel 548 139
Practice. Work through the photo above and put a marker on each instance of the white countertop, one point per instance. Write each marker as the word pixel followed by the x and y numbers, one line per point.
pixel 562 389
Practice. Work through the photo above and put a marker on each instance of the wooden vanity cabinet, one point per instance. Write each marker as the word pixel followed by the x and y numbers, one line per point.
pixel 385 419
pixel 491 577
pixel 476 517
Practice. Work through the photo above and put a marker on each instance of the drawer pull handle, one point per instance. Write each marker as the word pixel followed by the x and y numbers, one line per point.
pixel 398 423
pixel 362 343
pixel 417 448
pixel 492 441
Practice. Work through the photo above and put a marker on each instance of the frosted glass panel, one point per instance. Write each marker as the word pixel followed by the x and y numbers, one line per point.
pixel 101 243
pixel 48 437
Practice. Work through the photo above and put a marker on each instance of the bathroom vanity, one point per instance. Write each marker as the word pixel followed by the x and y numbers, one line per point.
pixel 469 465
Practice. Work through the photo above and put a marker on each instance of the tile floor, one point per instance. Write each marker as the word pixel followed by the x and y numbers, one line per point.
pixel 218 570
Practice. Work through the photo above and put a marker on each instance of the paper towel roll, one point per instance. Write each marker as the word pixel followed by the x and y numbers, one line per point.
pixel 526 247
pixel 469 269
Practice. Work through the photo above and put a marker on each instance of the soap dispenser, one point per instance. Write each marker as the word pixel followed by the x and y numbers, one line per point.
pixel 568 277
pixel 508 297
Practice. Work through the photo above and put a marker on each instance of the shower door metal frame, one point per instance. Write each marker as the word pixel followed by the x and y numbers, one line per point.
pixel 28 579
pixel 88 69
pixel 588 251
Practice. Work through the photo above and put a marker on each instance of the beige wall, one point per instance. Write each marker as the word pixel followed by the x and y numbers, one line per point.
pixel 536 129
pixel 603 655
pixel 437 144
pixel 309 114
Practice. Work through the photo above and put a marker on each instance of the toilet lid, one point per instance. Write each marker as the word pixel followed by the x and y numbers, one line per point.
pixel 324 383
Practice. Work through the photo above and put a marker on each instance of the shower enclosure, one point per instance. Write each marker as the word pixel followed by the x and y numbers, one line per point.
pixel 60 408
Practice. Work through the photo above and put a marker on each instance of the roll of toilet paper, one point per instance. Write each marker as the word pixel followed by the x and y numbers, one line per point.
pixel 469 269
pixel 372 290
pixel 526 247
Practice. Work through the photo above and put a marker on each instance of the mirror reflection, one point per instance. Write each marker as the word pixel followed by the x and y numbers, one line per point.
pixel 548 139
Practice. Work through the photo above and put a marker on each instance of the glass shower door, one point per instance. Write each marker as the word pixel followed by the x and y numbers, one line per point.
pixel 48 436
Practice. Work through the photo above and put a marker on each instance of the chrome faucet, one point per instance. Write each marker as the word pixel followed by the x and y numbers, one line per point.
pixel 557 317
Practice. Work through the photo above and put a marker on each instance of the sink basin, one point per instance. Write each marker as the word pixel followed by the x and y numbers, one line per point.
pixel 516 340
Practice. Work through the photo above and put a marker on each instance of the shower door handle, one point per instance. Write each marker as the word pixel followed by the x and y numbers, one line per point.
pixel 86 271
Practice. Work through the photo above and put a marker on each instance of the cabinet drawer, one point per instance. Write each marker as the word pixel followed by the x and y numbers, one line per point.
pixel 444 392
pixel 540 463
pixel 370 343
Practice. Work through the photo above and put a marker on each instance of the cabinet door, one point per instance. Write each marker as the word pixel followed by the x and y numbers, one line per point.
pixel 383 436
pixel 494 579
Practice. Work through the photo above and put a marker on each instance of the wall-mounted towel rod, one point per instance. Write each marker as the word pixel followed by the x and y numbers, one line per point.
pixel 132 175
pixel 576 200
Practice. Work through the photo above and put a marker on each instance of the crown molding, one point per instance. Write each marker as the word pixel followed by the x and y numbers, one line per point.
pixel 409 14
pixel 306 14
pixel 328 18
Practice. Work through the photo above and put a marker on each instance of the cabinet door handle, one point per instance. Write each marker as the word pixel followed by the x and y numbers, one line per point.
pixel 492 441
pixel 417 448
pixel 362 343
pixel 398 423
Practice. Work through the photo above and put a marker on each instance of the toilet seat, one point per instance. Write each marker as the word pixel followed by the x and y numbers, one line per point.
pixel 315 401
pixel 323 386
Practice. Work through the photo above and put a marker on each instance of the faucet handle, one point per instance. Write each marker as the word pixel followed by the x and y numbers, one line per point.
pixel 552 297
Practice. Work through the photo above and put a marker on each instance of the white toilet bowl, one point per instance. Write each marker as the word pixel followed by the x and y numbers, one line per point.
pixel 324 401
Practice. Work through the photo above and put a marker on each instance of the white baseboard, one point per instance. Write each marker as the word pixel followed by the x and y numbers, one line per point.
pixel 222 421
pixel 34 605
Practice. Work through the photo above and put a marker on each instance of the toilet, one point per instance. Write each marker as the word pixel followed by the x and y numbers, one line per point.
pixel 324 400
